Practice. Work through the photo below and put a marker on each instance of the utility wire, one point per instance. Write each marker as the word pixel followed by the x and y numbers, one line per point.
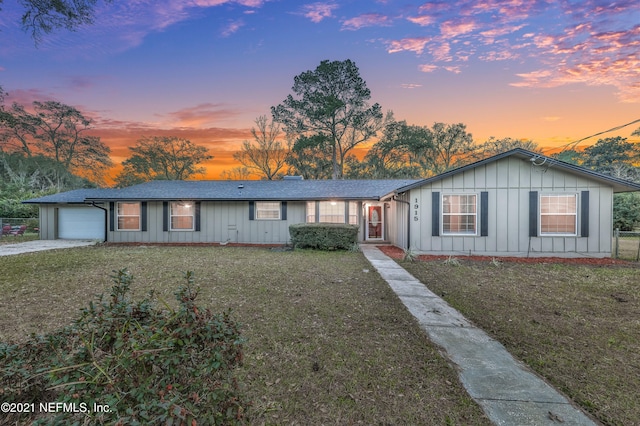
pixel 574 144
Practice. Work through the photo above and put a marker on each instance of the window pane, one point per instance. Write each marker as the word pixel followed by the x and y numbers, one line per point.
pixel 558 214
pixel 311 211
pixel 127 209
pixel 128 216
pixel 181 209
pixel 353 213
pixel 128 223
pixel 182 222
pixel 267 210
pixel 332 211
pixel 182 213
pixel 459 214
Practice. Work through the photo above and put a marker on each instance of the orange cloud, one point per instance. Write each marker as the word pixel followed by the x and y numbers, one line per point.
pixel 201 115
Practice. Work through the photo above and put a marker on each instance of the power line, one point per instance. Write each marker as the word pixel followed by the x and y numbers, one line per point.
pixel 574 144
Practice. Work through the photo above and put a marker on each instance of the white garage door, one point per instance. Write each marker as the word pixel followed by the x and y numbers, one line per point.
pixel 80 223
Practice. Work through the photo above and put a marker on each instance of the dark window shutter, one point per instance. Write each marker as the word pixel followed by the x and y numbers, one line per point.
pixel 252 210
pixel 435 214
pixel 165 216
pixel 112 216
pixel 484 214
pixel 584 214
pixel 197 216
pixel 533 213
pixel 143 216
pixel 283 210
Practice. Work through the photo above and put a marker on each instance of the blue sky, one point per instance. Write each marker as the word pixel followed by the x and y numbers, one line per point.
pixel 551 71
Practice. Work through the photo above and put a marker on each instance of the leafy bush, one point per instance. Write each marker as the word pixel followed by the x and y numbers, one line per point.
pixel 324 236
pixel 626 211
pixel 150 366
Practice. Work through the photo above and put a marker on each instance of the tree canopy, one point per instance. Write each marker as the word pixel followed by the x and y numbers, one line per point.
pixel 331 103
pixel 42 17
pixel 162 158
pixel 56 131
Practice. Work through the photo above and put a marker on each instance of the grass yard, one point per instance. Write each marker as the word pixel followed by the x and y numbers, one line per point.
pixel 576 325
pixel 328 341
pixel 14 239
pixel 628 248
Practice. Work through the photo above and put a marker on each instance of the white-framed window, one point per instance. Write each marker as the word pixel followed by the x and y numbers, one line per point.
pixel 268 210
pixel 558 214
pixel 182 215
pixel 128 216
pixel 459 214
pixel 331 211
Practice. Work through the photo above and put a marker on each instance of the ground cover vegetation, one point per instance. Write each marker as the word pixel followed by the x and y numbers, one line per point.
pixel 326 340
pixel 129 362
pixel 576 325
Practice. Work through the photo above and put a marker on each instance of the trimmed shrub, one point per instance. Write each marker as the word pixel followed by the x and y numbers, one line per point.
pixel 324 236
pixel 149 366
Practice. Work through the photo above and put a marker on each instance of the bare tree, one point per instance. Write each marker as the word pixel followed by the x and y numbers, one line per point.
pixel 267 156
pixel 237 173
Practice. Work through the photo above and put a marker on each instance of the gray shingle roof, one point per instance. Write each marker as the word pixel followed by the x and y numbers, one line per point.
pixel 77 196
pixel 277 190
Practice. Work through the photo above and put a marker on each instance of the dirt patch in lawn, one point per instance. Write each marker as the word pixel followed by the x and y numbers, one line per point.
pixel 576 324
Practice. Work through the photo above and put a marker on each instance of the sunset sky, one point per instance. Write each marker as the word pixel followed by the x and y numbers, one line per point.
pixel 550 71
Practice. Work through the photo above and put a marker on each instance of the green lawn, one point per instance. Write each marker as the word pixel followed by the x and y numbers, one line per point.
pixel 328 341
pixel 576 325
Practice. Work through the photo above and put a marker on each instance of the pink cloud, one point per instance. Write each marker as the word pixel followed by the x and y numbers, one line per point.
pixel 499 55
pixel 422 20
pixel 232 28
pixel 416 45
pixel 441 52
pixel 491 34
pixel 458 27
pixel 316 12
pixel 428 68
pixel 583 55
pixel 366 20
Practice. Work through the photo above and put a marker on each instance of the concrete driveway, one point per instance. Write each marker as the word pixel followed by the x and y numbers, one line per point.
pixel 41 245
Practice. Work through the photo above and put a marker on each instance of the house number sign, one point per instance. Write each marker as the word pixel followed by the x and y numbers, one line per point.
pixel 416 207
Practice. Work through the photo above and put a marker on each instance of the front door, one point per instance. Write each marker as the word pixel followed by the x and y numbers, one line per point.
pixel 375 229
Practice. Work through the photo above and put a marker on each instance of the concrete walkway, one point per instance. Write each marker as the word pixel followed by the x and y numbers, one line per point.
pixel 40 245
pixel 507 390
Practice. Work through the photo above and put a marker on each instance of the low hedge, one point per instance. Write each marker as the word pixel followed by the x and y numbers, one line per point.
pixel 324 236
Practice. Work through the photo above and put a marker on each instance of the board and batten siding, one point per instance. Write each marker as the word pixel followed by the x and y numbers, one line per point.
pixel 220 222
pixel 508 183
